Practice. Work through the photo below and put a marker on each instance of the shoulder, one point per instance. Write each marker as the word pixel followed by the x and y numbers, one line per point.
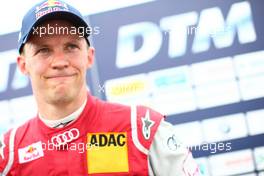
pixel 113 111
pixel 147 113
pixel 144 125
pixel 116 108
pixel 28 128
pixel 111 107
pixel 8 145
pixel 138 113
pixel 6 148
pixel 4 151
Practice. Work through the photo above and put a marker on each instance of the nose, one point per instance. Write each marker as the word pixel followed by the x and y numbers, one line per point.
pixel 59 61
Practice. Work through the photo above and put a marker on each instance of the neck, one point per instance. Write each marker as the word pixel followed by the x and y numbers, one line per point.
pixel 57 111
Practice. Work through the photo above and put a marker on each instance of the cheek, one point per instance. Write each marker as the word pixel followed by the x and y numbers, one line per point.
pixel 81 63
pixel 36 69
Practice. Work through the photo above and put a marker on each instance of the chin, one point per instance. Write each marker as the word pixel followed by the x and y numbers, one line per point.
pixel 62 96
pixel 61 99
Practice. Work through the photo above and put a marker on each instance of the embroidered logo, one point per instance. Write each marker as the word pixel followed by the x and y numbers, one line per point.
pixel 50 3
pixel 2 146
pixel 50 6
pixel 147 123
pixel 172 143
pixel 30 153
pixel 66 137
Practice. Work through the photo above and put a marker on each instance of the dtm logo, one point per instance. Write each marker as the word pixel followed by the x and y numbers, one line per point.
pixel 65 138
pixel 212 27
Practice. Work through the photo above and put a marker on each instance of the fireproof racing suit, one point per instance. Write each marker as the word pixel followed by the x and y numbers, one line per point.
pixel 106 139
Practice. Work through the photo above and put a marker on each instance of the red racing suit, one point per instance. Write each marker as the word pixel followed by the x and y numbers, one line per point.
pixel 106 139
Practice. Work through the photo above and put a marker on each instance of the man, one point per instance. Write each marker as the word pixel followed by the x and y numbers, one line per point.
pixel 75 133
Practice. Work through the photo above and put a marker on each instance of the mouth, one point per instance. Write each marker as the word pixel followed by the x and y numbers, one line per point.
pixel 60 77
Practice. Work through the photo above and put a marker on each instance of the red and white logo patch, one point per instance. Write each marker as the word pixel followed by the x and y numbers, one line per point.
pixel 30 153
pixel 147 123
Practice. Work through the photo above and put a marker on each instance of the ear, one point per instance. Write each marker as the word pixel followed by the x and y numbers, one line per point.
pixel 21 63
pixel 91 51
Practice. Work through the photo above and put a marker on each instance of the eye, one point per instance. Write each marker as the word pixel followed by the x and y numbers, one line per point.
pixel 43 51
pixel 72 46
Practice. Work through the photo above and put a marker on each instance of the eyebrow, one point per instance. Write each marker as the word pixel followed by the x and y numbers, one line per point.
pixel 35 46
pixel 75 41
pixel 39 45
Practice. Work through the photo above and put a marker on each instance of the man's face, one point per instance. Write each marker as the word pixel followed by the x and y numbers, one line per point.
pixel 56 64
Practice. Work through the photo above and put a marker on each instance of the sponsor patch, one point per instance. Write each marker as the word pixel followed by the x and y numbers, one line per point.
pixel 110 155
pixel 2 146
pixel 147 123
pixel 50 6
pixel 173 143
pixel 30 153
pixel 50 3
pixel 66 137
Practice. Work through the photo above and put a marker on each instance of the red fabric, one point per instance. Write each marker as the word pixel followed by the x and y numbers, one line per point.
pixel 97 117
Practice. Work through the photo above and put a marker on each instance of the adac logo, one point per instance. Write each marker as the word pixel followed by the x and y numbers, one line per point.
pixel 112 151
pixel 51 3
pixel 108 139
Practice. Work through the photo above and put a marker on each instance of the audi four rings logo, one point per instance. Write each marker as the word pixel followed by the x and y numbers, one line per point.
pixel 65 137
